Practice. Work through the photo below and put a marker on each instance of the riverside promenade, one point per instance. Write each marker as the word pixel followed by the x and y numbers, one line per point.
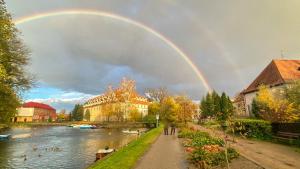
pixel 165 153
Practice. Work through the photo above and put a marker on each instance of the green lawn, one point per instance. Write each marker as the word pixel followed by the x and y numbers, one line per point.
pixel 127 157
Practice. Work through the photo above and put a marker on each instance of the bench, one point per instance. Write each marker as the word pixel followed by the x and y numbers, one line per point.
pixel 287 135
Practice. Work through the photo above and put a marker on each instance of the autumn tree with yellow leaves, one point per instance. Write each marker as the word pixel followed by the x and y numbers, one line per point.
pixel 274 106
pixel 186 109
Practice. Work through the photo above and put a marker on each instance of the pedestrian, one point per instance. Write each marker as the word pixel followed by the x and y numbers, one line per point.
pixel 166 129
pixel 173 128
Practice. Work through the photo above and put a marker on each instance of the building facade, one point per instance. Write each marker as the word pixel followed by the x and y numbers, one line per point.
pixel 35 112
pixel 239 106
pixel 117 104
pixel 277 75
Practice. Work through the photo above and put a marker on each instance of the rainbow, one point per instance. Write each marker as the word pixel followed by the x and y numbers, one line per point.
pixel 184 56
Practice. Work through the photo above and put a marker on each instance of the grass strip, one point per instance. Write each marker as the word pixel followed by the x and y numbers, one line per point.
pixel 127 157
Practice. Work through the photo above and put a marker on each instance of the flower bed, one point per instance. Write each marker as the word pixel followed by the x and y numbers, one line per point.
pixel 203 150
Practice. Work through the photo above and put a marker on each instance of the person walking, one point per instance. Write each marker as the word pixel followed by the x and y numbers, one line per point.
pixel 173 128
pixel 166 129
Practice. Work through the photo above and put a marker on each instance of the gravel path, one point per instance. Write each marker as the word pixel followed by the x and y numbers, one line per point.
pixel 165 153
pixel 266 154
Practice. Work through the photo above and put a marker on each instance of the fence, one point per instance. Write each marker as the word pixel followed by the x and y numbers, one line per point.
pixel 286 127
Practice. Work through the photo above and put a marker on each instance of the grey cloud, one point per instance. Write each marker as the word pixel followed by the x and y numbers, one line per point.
pixel 231 41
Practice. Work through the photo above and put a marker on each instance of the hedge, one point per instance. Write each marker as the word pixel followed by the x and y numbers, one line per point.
pixel 253 128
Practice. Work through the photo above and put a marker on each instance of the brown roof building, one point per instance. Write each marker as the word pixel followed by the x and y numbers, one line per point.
pixel 276 74
pixel 35 112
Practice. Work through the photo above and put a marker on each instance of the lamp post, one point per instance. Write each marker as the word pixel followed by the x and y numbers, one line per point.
pixel 157 118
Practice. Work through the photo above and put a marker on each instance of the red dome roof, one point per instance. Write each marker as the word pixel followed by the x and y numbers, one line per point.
pixel 37 105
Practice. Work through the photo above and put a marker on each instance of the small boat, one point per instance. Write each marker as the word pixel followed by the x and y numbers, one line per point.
pixel 103 152
pixel 87 126
pixel 130 131
pixel 19 136
pixel 5 137
pixel 93 127
pixel 74 125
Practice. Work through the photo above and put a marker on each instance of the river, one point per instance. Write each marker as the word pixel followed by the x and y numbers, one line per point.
pixel 57 147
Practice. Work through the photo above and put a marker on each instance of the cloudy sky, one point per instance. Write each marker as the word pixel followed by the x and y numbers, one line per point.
pixel 75 57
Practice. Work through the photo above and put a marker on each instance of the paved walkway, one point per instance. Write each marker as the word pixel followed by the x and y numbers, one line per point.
pixel 265 154
pixel 165 153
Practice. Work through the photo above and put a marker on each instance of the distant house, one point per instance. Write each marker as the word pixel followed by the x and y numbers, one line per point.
pixel 276 75
pixel 35 112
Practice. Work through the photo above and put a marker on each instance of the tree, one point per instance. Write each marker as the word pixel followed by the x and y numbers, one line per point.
pixel 216 99
pixel 134 114
pixel 127 91
pixel 14 56
pixel 207 106
pixel 169 110
pixel 157 95
pixel 186 110
pixel 226 108
pixel 9 101
pixel 118 112
pixel 293 94
pixel 154 108
pixel 61 116
pixel 275 109
pixel 150 120
pixel 13 59
pixel 87 115
pixel 108 111
pixel 255 108
pixel 77 112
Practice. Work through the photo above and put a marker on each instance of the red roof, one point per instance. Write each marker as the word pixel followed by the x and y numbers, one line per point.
pixel 37 105
pixel 276 73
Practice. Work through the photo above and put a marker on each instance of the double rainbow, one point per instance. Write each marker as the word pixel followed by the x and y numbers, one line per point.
pixel 148 29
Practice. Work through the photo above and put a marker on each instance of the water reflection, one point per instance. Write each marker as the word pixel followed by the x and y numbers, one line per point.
pixel 58 147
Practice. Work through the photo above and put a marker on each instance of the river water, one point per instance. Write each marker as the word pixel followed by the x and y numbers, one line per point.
pixel 57 147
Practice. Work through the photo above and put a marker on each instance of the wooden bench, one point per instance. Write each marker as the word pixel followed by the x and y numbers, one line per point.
pixel 287 135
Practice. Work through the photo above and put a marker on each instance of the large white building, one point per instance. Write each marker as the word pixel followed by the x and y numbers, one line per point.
pixel 276 75
pixel 117 104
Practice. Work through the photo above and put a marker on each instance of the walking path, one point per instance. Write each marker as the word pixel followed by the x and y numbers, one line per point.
pixel 265 154
pixel 165 153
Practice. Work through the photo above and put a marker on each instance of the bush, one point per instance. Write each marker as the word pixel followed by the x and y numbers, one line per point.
pixel 188 133
pixel 210 124
pixel 253 128
pixel 150 121
pixel 204 149
pixel 212 158
pixel 202 141
pixel 185 133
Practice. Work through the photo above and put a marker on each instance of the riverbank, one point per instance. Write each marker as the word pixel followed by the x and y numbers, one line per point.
pixel 3 127
pixel 99 124
pixel 127 157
